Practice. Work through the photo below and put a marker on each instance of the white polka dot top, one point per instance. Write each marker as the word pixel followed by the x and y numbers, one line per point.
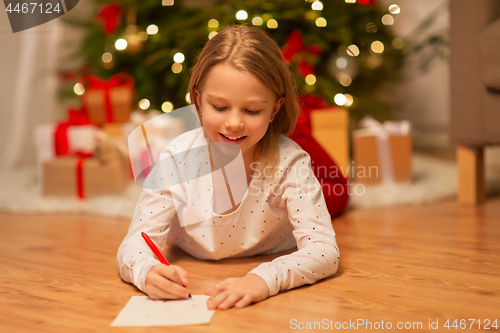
pixel 274 215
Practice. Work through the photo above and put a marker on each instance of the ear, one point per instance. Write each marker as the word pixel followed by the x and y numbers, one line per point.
pixel 277 107
pixel 197 95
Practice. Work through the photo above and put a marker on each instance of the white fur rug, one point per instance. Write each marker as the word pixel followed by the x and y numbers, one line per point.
pixel 434 180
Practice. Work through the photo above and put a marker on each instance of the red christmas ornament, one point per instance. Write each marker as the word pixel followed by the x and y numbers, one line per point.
pixel 110 16
pixel 295 45
pixel 367 2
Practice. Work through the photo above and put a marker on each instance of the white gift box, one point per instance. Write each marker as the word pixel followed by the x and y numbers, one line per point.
pixel 81 138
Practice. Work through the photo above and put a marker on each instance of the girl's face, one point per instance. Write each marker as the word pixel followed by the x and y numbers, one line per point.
pixel 236 107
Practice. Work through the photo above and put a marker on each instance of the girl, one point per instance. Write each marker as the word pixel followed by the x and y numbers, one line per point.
pixel 244 94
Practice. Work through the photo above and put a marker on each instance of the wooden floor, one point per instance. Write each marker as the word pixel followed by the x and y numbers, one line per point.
pixel 416 264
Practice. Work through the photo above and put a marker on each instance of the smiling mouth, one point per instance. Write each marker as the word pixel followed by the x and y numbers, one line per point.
pixel 233 138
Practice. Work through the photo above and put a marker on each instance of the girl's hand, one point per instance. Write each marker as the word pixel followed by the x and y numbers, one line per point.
pixel 165 282
pixel 237 292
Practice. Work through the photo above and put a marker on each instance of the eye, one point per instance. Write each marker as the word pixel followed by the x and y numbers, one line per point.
pixel 252 112
pixel 219 108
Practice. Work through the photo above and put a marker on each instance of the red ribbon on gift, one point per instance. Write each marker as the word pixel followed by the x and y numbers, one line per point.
pixel 75 118
pixel 92 82
pixel 80 186
pixel 295 45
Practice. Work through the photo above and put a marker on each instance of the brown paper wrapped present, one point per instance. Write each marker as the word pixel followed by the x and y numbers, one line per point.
pixel 111 149
pixel 85 177
pixel 109 101
pixel 382 152
pixel 330 127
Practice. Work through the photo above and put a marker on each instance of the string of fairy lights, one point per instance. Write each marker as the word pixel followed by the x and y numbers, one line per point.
pixel 134 36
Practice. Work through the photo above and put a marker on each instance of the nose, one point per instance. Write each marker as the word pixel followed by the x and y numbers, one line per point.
pixel 234 120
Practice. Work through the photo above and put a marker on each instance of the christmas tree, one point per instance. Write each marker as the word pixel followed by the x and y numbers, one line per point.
pixel 342 51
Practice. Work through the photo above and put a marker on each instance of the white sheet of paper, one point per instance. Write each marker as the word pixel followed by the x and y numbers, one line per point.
pixel 143 311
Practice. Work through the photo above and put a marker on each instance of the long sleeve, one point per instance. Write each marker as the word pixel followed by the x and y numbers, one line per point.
pixel 155 212
pixel 153 215
pixel 317 256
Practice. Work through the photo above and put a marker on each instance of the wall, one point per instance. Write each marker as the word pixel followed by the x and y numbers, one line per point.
pixel 424 97
pixel 28 83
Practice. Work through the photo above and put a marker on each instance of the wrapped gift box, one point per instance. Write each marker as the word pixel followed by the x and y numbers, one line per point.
pixel 110 149
pixel 330 127
pixel 81 138
pixel 144 146
pixel 382 152
pixel 109 101
pixel 84 177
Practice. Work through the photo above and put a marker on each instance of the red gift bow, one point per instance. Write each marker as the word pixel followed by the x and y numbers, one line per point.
pixel 80 187
pixel 293 45
pixel 75 118
pixel 94 82
pixel 111 16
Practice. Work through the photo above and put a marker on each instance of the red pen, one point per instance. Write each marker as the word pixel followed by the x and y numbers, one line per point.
pixel 157 252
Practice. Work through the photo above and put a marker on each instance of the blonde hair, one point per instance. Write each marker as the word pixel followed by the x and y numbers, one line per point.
pixel 252 50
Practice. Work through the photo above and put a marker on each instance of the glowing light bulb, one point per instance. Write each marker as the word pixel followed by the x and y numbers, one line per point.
pixel 377 47
pixel 353 50
pixel 213 23
pixel 79 89
pixel 387 19
pixel 176 68
pixel 152 29
pixel 121 44
pixel 272 24
pixel 257 20
pixel 348 100
pixel 107 57
pixel 179 57
pixel 320 22
pixel 394 9
pixel 212 34
pixel 167 107
pixel 144 103
pixel 339 99
pixel 310 79
pixel 345 80
pixel 350 1
pixel 341 62
pixel 188 98
pixel 167 2
pixel 241 15
pixel 317 5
